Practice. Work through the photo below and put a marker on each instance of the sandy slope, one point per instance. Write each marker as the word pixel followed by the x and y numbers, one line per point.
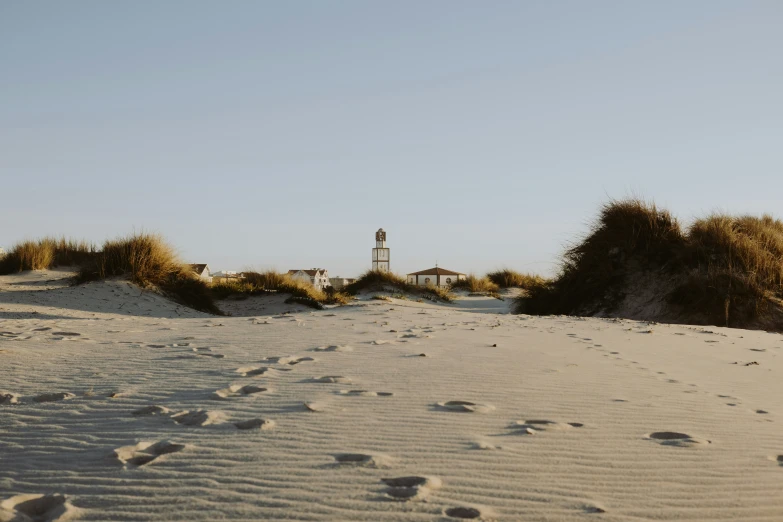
pixel 602 387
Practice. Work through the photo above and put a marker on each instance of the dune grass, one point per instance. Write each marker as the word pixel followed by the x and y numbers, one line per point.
pixel 260 283
pixel 46 253
pixel 475 284
pixel 507 278
pixel 147 260
pixel 722 270
pixel 378 281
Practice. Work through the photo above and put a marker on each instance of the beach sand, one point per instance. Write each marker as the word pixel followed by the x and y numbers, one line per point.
pixel 117 404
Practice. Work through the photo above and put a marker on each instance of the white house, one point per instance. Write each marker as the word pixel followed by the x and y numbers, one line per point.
pixel 226 276
pixel 340 282
pixel 435 276
pixel 318 277
pixel 203 272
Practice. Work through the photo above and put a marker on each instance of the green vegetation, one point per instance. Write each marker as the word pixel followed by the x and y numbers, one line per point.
pixel 723 270
pixel 376 281
pixel 44 254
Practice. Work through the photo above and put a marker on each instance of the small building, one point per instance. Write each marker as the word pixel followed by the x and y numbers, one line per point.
pixel 227 276
pixel 339 283
pixel 318 277
pixel 202 271
pixel 434 276
pixel 381 254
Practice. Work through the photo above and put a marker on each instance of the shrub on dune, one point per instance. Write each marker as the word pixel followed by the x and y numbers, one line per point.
pixel 259 283
pixel 592 271
pixel 507 278
pixel 44 254
pixel 380 281
pixel 473 283
pixel 723 270
pixel 377 280
pixel 147 260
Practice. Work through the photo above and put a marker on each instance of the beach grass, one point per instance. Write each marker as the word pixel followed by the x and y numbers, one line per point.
pixel 381 281
pixel 475 284
pixel 260 283
pixel 507 278
pixel 147 260
pixel 46 253
pixel 723 270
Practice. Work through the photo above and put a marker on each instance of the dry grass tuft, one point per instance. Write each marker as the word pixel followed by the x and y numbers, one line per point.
pixel 46 253
pixel 260 283
pixel 507 278
pixel 473 283
pixel 377 281
pixel 724 270
pixel 147 260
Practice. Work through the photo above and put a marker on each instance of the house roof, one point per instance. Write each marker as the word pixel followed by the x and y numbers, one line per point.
pixel 311 273
pixel 437 271
pixel 198 268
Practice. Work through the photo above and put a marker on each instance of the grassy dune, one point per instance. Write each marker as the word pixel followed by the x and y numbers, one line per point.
pixel 376 281
pixel 722 270
pixel 45 253
pixel 147 260
pixel 507 278
pixel 259 283
pixel 473 283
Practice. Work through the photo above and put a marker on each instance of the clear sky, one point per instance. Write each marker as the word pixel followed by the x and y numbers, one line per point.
pixel 478 134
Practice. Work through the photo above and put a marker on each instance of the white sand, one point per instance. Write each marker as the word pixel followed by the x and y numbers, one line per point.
pixel 563 419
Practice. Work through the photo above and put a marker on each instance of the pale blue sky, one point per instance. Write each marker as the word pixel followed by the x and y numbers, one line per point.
pixel 478 134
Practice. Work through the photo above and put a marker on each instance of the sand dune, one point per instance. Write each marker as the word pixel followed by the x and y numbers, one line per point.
pixel 476 416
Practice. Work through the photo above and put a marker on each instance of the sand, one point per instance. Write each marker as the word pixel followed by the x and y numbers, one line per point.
pixel 116 404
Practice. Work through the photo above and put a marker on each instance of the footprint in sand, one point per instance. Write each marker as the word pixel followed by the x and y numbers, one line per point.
pixel 317 407
pixel 207 352
pixel 252 371
pixel 52 397
pixel 333 379
pixel 333 348
pixel 143 453
pixel 287 359
pixel 67 334
pixel 152 410
pixel 407 489
pixel 463 512
pixel 365 393
pixel 237 390
pixel 199 417
pixel 37 508
pixel 255 424
pixel 465 406
pixel 531 427
pixel 8 398
pixel 369 460
pixel 673 438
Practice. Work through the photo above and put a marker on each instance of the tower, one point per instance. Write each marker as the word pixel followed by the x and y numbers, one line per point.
pixel 380 254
